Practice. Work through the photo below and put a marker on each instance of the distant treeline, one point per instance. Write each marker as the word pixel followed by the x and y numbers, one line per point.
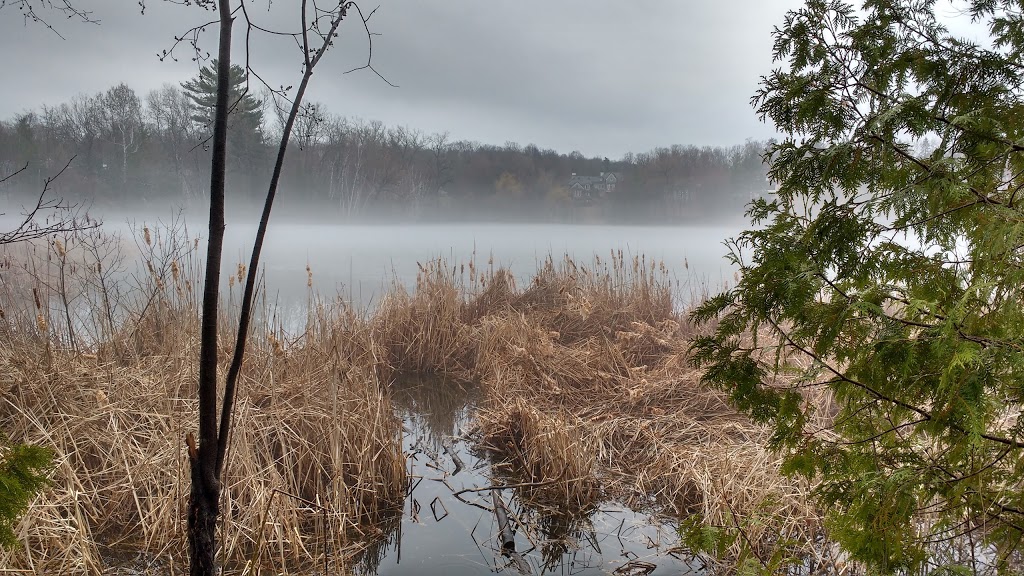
pixel 136 151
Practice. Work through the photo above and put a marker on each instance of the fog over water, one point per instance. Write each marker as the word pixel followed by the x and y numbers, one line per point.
pixel 360 261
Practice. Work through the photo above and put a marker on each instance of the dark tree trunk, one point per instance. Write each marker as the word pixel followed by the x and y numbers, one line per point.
pixel 205 495
pixel 235 368
pixel 208 458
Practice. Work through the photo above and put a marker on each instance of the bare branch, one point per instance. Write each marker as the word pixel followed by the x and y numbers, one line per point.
pixel 32 11
pixel 369 40
pixel 64 217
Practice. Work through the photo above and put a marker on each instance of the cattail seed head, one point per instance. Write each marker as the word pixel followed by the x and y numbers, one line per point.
pixel 275 344
pixel 35 296
pixel 59 247
pixel 41 322
pixel 145 236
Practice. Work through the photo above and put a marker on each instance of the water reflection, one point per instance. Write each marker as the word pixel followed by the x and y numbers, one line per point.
pixel 452 521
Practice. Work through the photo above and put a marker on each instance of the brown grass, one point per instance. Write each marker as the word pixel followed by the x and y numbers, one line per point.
pixel 586 397
pixel 315 460
pixel 423 333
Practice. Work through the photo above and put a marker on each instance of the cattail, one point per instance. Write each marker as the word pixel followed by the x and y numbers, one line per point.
pixel 275 344
pixel 59 247
pixel 174 270
pixel 309 277
pixel 35 296
pixel 231 281
pixel 241 273
pixel 41 322
pixel 99 268
pixel 145 236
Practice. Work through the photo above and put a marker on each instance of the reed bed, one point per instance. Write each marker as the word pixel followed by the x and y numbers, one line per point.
pixel 585 397
pixel 588 397
pixel 315 464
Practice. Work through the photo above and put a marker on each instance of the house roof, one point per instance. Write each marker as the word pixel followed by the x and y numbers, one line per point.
pixel 586 180
pixel 594 179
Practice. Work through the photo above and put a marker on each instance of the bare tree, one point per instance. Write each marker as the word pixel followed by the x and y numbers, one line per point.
pixel 122 119
pixel 207 459
pixel 169 111
pixel 440 170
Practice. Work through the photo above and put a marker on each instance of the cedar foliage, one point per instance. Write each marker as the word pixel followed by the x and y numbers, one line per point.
pixel 889 272
pixel 23 472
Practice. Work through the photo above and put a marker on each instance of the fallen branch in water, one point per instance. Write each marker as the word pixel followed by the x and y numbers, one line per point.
pixel 510 486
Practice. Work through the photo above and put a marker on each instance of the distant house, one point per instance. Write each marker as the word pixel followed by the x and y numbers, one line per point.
pixel 587 188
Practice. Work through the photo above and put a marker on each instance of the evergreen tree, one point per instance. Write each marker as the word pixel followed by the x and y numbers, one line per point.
pixel 246 110
pixel 887 277
pixel 23 471
pixel 247 154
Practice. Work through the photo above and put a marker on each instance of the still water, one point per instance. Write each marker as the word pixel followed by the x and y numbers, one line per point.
pixel 359 262
pixel 449 526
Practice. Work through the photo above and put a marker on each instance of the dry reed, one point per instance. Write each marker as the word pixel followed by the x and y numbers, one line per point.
pixel 586 397
pixel 315 460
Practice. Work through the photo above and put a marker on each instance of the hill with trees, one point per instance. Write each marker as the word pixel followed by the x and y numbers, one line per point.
pixel 134 150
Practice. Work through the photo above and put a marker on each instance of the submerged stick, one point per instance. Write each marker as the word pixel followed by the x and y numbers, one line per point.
pixel 507 535
pixel 450 450
pixel 508 541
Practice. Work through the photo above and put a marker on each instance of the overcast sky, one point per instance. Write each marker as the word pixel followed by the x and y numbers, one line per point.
pixel 598 76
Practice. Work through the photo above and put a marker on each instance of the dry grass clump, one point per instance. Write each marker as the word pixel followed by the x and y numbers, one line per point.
pixel 315 461
pixel 601 299
pixel 423 332
pixel 547 454
pixel 658 442
pixel 303 429
pixel 513 349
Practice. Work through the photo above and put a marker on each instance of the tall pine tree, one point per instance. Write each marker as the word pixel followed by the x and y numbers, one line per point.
pixel 247 155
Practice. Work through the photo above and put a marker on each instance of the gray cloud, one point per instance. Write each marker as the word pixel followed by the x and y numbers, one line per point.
pixel 597 76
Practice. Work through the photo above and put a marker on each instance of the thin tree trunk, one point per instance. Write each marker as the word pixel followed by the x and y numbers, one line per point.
pixel 245 313
pixel 204 505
